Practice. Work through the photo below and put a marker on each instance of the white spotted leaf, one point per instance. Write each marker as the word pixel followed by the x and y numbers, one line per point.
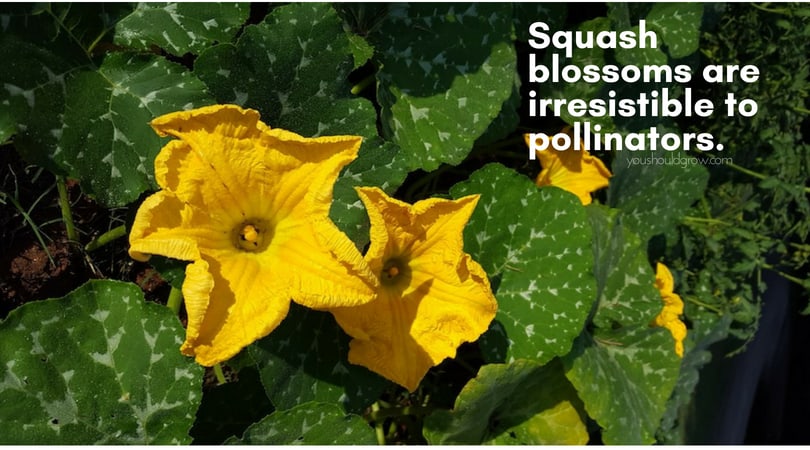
pixel 625 280
pixel 623 369
pixel 678 26
pixel 106 141
pixel 535 245
pixel 445 72
pixel 306 359
pixel 506 404
pixel 277 68
pixel 180 28
pixel 31 91
pixel 310 423
pixel 377 164
pixel 99 365
pixel 624 378
pixel 654 190
pixel 552 14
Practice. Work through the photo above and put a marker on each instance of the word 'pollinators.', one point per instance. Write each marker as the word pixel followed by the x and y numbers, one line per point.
pixel 576 171
pixel 248 205
pixel 432 296
pixel 669 317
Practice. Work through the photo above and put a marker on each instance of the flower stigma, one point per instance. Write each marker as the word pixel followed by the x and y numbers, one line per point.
pixel 393 271
pixel 252 235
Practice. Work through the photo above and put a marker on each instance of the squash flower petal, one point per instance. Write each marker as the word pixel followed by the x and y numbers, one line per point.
pixel 576 171
pixel 248 206
pixel 669 317
pixel 432 296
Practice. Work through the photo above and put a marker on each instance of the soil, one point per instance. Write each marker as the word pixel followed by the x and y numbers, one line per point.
pixel 29 271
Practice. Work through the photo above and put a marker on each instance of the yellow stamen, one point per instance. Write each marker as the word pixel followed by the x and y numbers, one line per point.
pixel 250 234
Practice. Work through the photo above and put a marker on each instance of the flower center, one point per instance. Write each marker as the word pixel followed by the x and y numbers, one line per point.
pixel 252 235
pixel 393 271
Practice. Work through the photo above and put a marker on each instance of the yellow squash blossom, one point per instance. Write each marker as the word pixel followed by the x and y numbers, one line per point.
pixel 669 317
pixel 432 296
pixel 248 205
pixel 576 171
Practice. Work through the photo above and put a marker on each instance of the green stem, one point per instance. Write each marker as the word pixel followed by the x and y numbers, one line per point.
pixel 67 215
pixel 378 424
pixel 218 373
pixel 106 238
pixel 801 110
pixel 30 223
pixel 379 415
pixel 783 11
pixel 705 220
pixel 755 174
pixel 704 305
pixel 784 275
pixel 704 204
pixel 358 88
pixel 746 171
pixel 175 300
pixel 710 221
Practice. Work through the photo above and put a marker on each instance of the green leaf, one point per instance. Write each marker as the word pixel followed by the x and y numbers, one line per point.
pixel 445 73
pixel 7 125
pixel 306 359
pixel 639 56
pixel 507 120
pixel 171 270
pixel 525 14
pixel 705 331
pixel 535 245
pixel 377 164
pixel 655 189
pixel 623 369
pixel 619 14
pixel 517 403
pixel 32 95
pixel 99 365
pixel 180 28
pixel 309 424
pixel 73 31
pixel 362 51
pixel 106 141
pixel 277 67
pixel 678 26
pixel 227 410
pixel 624 377
pixel 625 280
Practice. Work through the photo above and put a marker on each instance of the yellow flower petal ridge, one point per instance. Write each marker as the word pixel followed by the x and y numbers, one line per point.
pixel 248 206
pixel 432 296
pixel 577 172
pixel 669 317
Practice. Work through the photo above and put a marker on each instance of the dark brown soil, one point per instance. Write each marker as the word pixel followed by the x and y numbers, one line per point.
pixel 33 273
pixel 29 271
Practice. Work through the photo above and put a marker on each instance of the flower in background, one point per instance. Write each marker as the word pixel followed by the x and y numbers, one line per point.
pixel 576 171
pixel 249 207
pixel 431 297
pixel 669 317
